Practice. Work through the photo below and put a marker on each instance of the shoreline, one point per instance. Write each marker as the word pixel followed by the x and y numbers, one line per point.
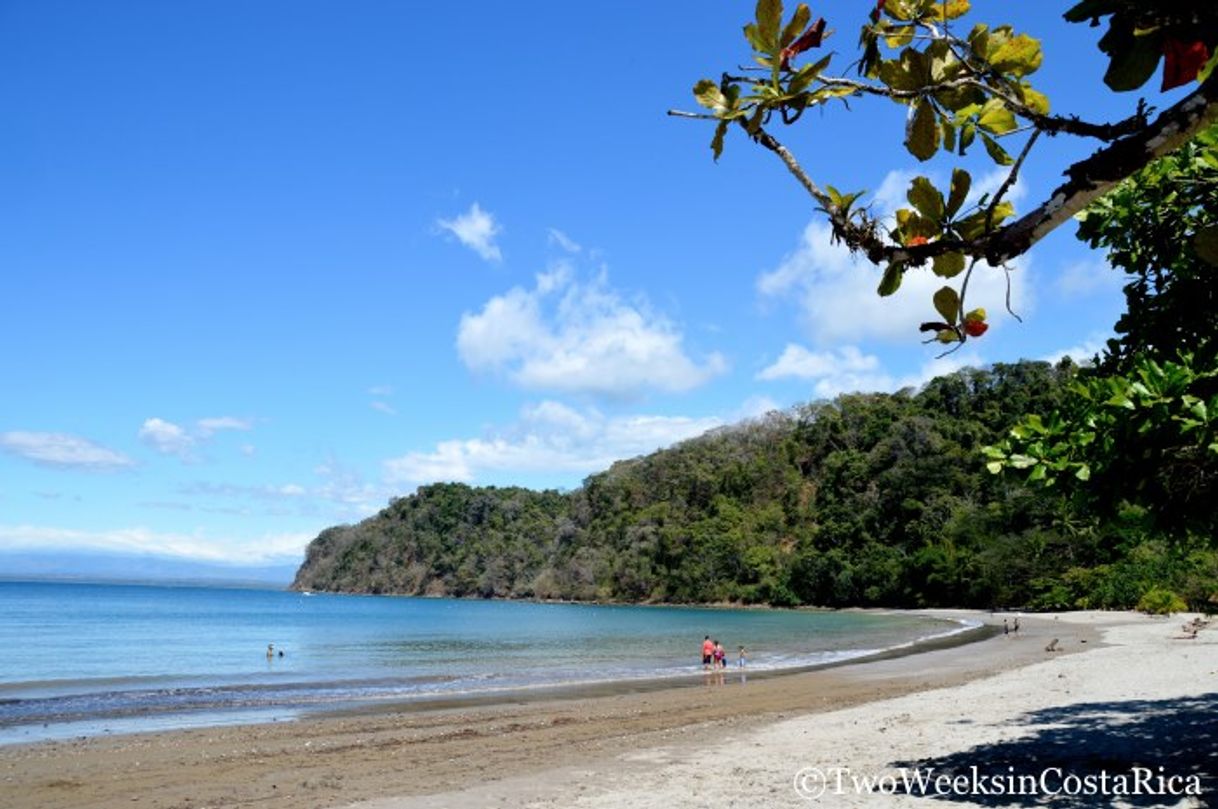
pixel 199 705
pixel 335 760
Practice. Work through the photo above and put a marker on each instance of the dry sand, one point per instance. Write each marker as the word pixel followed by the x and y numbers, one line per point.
pixel 1141 698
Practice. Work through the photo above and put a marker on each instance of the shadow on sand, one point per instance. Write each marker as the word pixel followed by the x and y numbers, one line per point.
pixel 1178 735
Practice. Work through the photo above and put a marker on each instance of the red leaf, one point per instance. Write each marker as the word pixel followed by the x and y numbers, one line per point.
pixel 916 240
pixel 1182 61
pixel 808 39
pixel 975 328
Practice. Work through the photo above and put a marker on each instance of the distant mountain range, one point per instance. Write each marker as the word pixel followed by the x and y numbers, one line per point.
pixel 116 567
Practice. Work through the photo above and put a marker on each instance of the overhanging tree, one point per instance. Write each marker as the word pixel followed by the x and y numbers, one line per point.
pixel 959 88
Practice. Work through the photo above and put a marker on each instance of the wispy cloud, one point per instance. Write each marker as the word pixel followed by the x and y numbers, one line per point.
pixel 549 437
pixel 266 549
pixel 476 229
pixel 383 407
pixel 580 337
pixel 167 438
pixel 564 241
pixel 1081 279
pixel 63 450
pixel 210 426
pixel 848 370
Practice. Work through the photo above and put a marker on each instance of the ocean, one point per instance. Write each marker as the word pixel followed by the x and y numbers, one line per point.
pixel 87 659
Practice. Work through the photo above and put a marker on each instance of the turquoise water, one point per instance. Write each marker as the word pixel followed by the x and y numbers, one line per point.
pixel 93 658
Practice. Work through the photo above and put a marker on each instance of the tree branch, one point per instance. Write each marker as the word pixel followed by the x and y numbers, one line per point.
pixel 1095 176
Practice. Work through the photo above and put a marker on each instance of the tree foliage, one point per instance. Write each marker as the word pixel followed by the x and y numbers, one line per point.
pixel 962 84
pixel 1143 425
pixel 877 499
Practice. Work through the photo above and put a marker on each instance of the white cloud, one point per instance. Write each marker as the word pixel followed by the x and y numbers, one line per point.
pixel 563 240
pixel 1084 352
pixel 550 437
pixel 380 390
pixel 62 450
pixel 210 426
pixel 275 548
pixel 476 229
pixel 383 407
pixel 167 438
pixel 838 302
pixel 1081 279
pixel 800 363
pixel 849 370
pixel 574 337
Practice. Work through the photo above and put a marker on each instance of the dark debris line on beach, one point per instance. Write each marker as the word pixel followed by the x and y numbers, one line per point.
pixel 1180 735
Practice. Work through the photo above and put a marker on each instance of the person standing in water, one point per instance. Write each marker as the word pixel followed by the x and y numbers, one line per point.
pixel 740 661
pixel 708 653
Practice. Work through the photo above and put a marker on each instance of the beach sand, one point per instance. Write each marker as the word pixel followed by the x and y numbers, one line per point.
pixel 1140 698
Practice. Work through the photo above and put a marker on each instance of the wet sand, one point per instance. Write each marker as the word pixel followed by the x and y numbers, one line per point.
pixel 328 761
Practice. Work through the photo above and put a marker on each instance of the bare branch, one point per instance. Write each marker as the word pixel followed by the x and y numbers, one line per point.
pixel 1009 181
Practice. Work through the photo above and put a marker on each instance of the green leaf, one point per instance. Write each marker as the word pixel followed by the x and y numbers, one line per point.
pixel 961 182
pixel 996 152
pixel 1087 10
pixel 1134 58
pixel 949 135
pixel 1205 245
pixel 909 72
pixel 994 467
pixel 891 281
pixel 1002 210
pixel 967 133
pixel 1019 56
pixel 799 21
pixel 717 140
pixel 1036 101
pixel 708 94
pixel 769 20
pixel 947 304
pixel 927 199
pixel 996 118
pixel 922 131
pixel 949 9
pixel 948 265
pixel 900 36
pixel 1037 473
pixel 1021 461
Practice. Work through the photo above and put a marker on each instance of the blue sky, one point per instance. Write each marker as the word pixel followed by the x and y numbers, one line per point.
pixel 266 265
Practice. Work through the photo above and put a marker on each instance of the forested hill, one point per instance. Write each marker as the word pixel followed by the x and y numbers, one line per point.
pixel 867 500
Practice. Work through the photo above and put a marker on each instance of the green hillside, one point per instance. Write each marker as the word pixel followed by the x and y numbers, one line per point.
pixel 866 500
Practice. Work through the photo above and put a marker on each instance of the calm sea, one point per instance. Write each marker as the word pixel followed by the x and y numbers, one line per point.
pixel 83 659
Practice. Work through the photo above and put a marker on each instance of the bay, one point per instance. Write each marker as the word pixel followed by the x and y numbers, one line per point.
pixel 81 659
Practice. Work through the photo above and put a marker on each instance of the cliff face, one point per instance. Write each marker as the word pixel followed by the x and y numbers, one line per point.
pixel 866 500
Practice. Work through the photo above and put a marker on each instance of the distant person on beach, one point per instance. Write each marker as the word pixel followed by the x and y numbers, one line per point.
pixel 270 651
pixel 1006 628
pixel 1015 628
pixel 740 661
pixel 708 652
pixel 720 656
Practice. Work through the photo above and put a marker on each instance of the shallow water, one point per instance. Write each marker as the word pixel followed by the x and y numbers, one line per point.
pixel 81 659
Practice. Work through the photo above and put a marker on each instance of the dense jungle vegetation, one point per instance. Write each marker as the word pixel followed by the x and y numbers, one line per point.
pixel 866 500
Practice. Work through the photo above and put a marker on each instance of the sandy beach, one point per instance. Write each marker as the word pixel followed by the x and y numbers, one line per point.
pixel 1124 694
